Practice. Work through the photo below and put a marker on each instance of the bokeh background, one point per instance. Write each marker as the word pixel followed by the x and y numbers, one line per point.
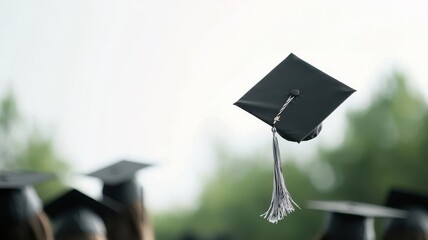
pixel 86 83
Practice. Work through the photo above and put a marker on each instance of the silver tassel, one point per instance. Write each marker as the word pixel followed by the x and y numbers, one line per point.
pixel 282 204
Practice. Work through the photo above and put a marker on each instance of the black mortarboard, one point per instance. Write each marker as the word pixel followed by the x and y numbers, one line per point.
pixel 119 180
pixel 352 220
pixel 119 172
pixel 76 214
pixel 18 199
pixel 415 225
pixel 294 99
pixel 21 179
pixel 316 95
pixel 405 199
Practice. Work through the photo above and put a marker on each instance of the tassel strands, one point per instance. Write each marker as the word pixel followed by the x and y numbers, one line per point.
pixel 282 203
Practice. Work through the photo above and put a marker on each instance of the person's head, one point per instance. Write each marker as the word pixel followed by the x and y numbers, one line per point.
pixel 75 215
pixel 80 224
pixel 133 221
pixel 126 225
pixel 415 225
pixel 122 187
pixel 21 213
pixel 35 228
pixel 351 220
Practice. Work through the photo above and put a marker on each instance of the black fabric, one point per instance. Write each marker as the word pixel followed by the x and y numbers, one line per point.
pixel 313 133
pixel 319 95
pixel 120 183
pixel 401 198
pixel 76 213
pixel 350 227
pixel 18 200
pixel 415 225
pixel 78 221
pixel 21 179
pixel 119 172
pixel 352 220
pixel 76 199
pixel 127 192
pixel 19 205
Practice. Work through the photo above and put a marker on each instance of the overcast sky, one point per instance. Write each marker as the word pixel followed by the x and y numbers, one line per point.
pixel 156 80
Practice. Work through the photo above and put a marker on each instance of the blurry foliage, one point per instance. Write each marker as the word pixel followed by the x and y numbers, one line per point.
pixel 385 145
pixel 233 200
pixel 9 120
pixel 23 149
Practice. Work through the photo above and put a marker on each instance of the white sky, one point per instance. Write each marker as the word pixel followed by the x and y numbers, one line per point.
pixel 156 80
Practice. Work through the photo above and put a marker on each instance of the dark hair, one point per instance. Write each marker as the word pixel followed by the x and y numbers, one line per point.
pixel 84 237
pixel 36 228
pixel 413 227
pixel 323 237
pixel 405 235
pixel 132 223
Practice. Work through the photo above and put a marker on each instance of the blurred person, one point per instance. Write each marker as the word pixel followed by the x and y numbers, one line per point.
pixel 351 220
pixel 21 213
pixel 133 221
pixel 76 216
pixel 415 225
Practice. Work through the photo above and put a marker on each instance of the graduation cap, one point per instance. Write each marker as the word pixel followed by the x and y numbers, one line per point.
pixel 415 225
pixel 294 99
pixel 18 199
pixel 119 180
pixel 352 220
pixel 405 199
pixel 76 214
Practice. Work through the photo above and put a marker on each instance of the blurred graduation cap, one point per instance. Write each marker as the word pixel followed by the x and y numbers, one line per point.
pixel 294 99
pixel 405 199
pixel 76 214
pixel 18 199
pixel 120 181
pixel 352 220
pixel 415 225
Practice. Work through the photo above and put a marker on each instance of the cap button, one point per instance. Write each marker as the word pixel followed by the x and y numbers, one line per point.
pixel 295 92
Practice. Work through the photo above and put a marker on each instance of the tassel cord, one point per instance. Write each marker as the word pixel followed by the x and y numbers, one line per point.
pixel 282 203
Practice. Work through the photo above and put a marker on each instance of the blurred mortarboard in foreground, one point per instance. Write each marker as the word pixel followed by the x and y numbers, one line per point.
pixel 119 180
pixel 294 99
pixel 415 225
pixel 76 214
pixel 405 199
pixel 21 179
pixel 76 199
pixel 18 199
pixel 119 172
pixel 352 220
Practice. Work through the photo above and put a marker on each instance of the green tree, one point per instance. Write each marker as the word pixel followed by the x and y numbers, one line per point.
pixel 23 149
pixel 9 119
pixel 234 198
pixel 384 146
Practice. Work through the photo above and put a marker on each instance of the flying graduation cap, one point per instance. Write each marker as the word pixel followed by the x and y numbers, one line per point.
pixel 119 181
pixel 294 99
pixel 415 225
pixel 18 199
pixel 352 220
pixel 76 214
